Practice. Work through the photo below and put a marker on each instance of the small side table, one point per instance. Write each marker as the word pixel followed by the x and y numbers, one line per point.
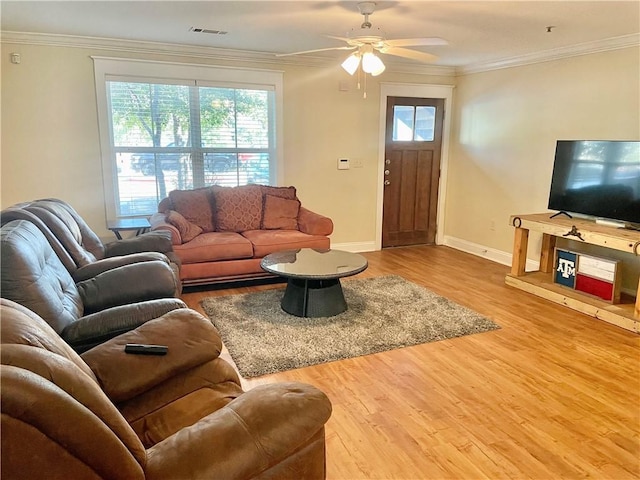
pixel 138 225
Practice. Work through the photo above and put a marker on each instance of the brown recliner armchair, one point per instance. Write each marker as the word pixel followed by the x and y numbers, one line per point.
pixel 81 250
pixel 112 415
pixel 84 313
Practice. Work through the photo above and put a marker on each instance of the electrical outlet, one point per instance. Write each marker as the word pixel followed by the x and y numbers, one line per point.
pixel 343 164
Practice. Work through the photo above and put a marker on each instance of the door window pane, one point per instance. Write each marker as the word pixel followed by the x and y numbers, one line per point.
pixel 425 124
pixel 402 123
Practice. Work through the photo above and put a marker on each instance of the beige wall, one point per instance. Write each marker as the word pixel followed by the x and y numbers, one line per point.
pixel 506 123
pixel 50 141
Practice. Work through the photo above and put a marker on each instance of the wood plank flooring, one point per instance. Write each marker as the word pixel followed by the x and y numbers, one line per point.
pixel 552 394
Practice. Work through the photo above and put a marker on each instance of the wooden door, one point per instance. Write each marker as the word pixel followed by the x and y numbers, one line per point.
pixel 412 170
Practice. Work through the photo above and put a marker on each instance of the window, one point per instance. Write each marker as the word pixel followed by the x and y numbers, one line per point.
pixel 413 123
pixel 168 133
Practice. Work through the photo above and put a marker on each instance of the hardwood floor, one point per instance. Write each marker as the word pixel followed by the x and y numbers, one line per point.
pixel 552 394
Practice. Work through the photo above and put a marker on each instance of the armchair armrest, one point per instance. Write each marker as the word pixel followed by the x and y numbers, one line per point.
pixel 314 223
pixel 92 330
pixel 249 435
pixel 152 280
pixel 192 341
pixel 159 223
pixel 156 241
pixel 100 266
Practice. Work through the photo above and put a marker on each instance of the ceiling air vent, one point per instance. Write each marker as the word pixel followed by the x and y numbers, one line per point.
pixel 206 30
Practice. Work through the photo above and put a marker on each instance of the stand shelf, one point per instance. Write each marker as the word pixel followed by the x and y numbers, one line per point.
pixel 540 283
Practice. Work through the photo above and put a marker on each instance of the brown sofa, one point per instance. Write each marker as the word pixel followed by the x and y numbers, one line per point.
pixel 111 415
pixel 221 234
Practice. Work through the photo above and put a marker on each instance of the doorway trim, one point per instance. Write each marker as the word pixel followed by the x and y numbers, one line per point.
pixel 419 91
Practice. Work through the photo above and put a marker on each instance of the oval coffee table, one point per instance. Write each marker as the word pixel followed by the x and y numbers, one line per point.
pixel 313 279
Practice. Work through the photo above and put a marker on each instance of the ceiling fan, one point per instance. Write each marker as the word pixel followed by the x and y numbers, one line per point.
pixel 366 44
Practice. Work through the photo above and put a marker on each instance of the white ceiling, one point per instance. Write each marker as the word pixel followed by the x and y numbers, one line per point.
pixel 477 31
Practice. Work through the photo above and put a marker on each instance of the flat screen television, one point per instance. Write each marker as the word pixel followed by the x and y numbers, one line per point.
pixel 597 178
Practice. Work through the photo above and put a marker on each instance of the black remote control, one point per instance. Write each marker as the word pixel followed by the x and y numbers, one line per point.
pixel 141 349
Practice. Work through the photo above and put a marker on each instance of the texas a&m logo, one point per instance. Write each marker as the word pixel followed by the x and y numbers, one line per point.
pixel 567 268
pixel 566 263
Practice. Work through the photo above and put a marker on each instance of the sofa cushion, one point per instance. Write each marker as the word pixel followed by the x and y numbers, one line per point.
pixel 188 231
pixel 196 206
pixel 280 213
pixel 238 208
pixel 269 241
pixel 214 246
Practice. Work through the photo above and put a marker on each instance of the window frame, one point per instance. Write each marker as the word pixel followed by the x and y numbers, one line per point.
pixel 122 69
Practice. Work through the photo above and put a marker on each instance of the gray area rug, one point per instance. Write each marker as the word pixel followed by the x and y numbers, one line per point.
pixel 384 313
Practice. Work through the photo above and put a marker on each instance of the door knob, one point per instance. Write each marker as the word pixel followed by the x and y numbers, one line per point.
pixel 387 182
pixel 387 172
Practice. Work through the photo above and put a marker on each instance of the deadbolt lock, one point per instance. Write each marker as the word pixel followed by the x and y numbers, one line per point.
pixel 387 161
pixel 387 182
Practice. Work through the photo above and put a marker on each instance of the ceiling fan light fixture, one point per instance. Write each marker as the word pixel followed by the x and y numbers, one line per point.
pixel 351 63
pixel 372 64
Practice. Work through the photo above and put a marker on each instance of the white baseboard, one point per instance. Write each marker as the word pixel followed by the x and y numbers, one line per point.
pixel 355 247
pixel 498 256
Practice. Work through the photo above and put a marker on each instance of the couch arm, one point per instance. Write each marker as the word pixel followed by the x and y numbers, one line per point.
pixel 100 266
pixel 249 435
pixel 314 223
pixel 127 284
pixel 192 341
pixel 147 242
pixel 94 329
pixel 159 223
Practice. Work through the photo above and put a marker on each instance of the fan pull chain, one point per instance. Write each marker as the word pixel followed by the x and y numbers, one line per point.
pixel 364 95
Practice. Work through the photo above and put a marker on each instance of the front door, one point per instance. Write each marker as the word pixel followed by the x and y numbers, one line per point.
pixel 412 170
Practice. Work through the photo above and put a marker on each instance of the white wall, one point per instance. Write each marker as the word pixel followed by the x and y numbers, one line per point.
pixel 506 123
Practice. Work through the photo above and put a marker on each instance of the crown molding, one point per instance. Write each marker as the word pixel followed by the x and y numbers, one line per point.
pixel 232 55
pixel 614 43
pixel 196 51
pixel 134 46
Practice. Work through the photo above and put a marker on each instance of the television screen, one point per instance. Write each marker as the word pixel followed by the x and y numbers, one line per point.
pixel 597 178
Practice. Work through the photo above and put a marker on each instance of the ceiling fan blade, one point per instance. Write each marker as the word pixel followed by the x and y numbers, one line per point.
pixel 407 53
pixel 407 42
pixel 315 50
pixel 344 39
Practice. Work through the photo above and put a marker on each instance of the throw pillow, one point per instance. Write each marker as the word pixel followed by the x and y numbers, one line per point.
pixel 238 208
pixel 284 192
pixel 188 231
pixel 195 206
pixel 165 205
pixel 280 213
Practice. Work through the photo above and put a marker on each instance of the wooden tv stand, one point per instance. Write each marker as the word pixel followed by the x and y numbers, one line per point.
pixel 625 314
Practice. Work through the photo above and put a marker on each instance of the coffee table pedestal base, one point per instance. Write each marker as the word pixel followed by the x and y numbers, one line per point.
pixel 313 298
